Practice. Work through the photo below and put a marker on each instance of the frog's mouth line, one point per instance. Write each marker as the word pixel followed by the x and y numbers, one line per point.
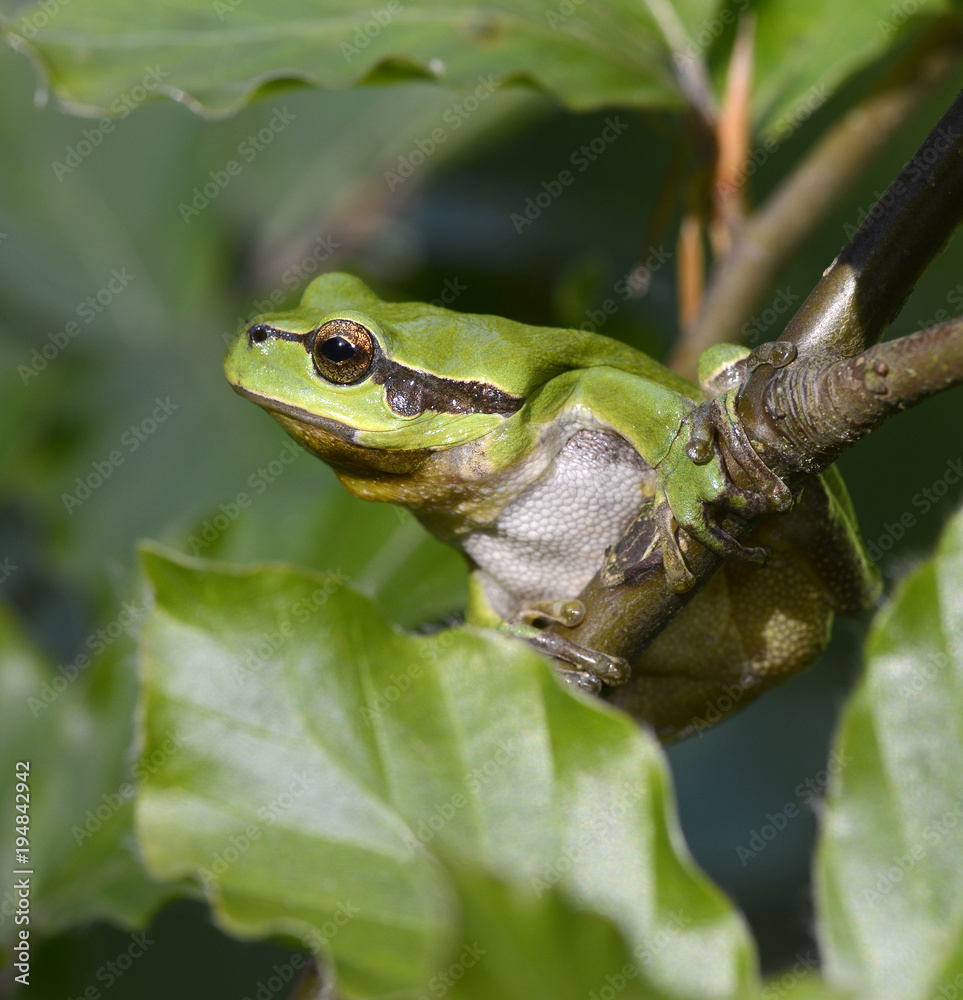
pixel 337 444
pixel 342 431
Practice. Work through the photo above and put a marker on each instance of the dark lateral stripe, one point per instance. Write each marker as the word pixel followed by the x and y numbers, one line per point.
pixel 274 332
pixel 409 391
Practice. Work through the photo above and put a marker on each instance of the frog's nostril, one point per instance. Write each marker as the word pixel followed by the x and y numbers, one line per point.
pixel 258 334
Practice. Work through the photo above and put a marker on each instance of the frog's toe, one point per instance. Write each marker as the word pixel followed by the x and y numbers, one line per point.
pixel 677 575
pixel 581 680
pixel 701 435
pixel 705 531
pixel 746 503
pixel 718 540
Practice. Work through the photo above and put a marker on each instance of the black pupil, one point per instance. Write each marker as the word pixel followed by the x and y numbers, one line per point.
pixel 338 349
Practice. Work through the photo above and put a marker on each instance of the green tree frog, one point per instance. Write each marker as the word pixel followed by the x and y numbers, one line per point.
pixel 534 451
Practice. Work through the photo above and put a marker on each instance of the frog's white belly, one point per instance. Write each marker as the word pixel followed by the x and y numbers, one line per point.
pixel 551 539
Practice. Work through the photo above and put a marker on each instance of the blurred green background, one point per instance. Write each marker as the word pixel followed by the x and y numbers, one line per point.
pixel 315 197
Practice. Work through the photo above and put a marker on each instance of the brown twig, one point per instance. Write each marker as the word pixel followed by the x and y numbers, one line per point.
pixel 857 298
pixel 690 263
pixel 776 231
pixel 841 403
pixel 800 416
pixel 734 133
pixel 828 409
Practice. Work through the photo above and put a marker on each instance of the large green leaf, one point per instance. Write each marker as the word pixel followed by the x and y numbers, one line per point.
pixel 216 55
pixel 516 946
pixel 805 52
pixel 890 865
pixel 72 726
pixel 329 759
pixel 796 985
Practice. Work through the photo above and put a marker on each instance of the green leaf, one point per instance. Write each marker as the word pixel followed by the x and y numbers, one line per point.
pixel 379 548
pixel 516 946
pixel 798 984
pixel 805 52
pixel 216 55
pixel 74 732
pixel 889 872
pixel 344 757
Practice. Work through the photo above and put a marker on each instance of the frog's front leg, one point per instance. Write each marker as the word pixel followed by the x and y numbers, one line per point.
pixel 675 436
pixel 686 493
pixel 587 668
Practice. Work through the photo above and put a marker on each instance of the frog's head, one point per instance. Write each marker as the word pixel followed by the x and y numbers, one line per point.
pixel 364 383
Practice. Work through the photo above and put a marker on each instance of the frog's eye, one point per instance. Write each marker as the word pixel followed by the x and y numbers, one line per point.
pixel 343 351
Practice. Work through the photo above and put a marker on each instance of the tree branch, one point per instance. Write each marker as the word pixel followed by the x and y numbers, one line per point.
pixel 777 230
pixel 811 395
pixel 857 298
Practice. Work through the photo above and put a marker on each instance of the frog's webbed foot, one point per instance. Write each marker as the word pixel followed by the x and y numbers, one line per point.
pixel 704 530
pixel 569 613
pixel 689 496
pixel 588 669
pixel 694 489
